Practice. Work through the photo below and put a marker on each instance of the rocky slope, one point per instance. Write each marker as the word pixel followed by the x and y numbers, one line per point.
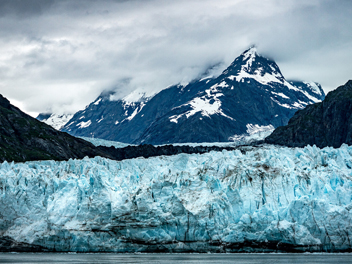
pixel 24 138
pixel 328 123
pixel 269 199
pixel 251 92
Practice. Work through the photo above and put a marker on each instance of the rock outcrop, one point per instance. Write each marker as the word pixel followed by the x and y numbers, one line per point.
pixel 328 123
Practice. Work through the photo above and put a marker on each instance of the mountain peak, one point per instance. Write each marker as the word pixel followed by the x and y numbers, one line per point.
pixel 4 102
pixel 251 65
pixel 135 96
pixel 249 53
pixel 248 57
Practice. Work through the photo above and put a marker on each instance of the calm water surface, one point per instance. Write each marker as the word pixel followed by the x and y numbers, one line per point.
pixel 175 258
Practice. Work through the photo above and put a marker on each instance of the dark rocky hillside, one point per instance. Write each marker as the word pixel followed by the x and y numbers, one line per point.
pixel 328 123
pixel 24 138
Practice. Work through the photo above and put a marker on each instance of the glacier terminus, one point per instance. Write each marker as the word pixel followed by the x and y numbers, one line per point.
pixel 253 199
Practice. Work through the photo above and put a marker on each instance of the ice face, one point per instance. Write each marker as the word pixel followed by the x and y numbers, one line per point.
pixel 268 197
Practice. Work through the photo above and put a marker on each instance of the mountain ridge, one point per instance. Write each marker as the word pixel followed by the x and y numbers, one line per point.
pixel 250 92
pixel 24 138
pixel 328 123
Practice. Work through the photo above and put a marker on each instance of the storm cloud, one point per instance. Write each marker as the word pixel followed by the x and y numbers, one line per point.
pixel 60 55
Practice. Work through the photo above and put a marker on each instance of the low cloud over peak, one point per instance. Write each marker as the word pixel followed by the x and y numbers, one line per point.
pixel 60 55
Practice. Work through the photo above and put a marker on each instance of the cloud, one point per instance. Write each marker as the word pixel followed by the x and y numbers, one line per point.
pixel 26 8
pixel 60 55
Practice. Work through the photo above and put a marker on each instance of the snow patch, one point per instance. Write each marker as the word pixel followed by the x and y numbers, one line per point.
pixel 263 79
pixel 205 78
pixel 133 97
pixel 84 124
pixel 222 85
pixel 97 102
pixel 281 95
pixel 314 87
pixel 58 121
pixel 249 56
pixel 295 105
pixel 207 105
pixel 312 98
pixel 204 106
pixel 135 112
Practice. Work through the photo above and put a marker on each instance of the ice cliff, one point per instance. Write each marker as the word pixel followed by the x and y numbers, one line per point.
pixel 257 199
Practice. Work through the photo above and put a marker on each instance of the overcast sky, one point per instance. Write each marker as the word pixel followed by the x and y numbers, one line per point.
pixel 60 55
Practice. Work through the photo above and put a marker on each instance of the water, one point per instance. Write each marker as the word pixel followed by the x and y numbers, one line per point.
pixel 175 258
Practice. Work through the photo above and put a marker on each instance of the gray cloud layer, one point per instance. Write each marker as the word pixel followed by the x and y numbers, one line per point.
pixel 60 55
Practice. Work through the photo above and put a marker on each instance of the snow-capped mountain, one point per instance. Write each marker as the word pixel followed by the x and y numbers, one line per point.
pixel 54 120
pixel 251 92
pixel 102 117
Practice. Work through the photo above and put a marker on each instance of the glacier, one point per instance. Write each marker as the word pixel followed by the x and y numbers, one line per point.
pixel 255 134
pixel 253 199
pixel 106 143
